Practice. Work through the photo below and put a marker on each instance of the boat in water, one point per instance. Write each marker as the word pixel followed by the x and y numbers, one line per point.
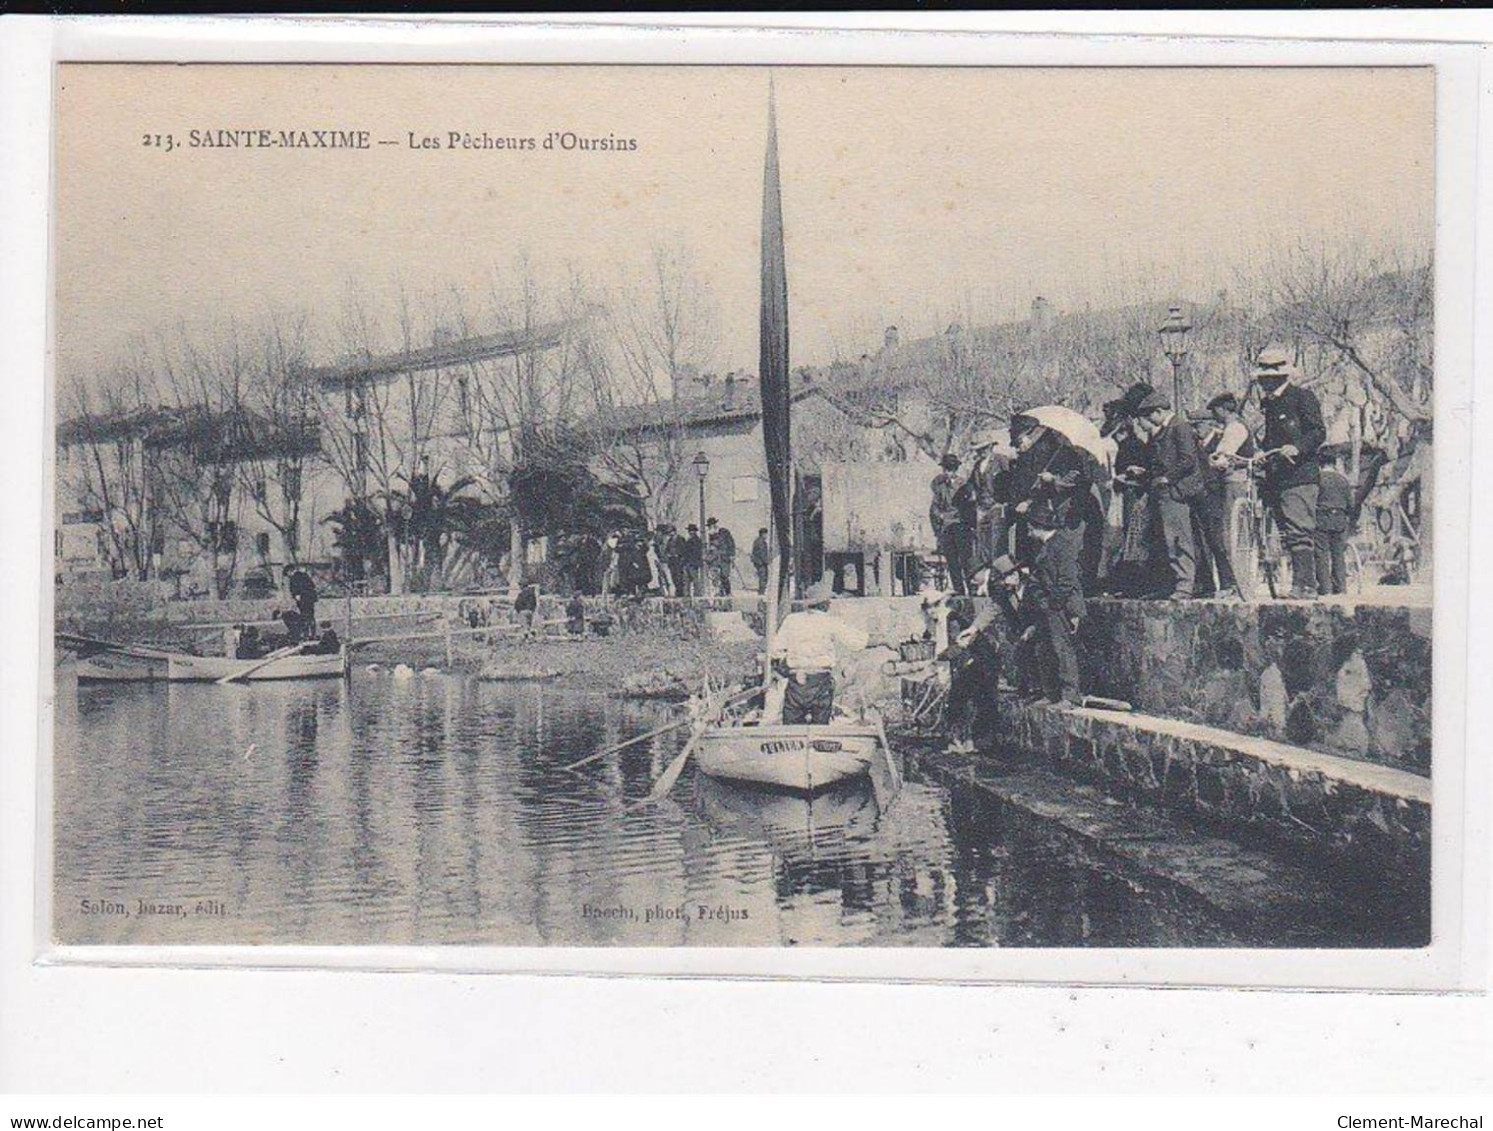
pixel 123 667
pixel 102 661
pixel 799 758
pixel 756 748
pixel 302 665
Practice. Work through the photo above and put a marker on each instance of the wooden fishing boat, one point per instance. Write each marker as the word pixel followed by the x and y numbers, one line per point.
pixel 209 669
pixel 798 758
pixel 122 667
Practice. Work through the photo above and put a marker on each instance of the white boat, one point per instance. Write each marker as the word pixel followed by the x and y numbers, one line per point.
pixel 207 669
pixel 799 758
pixel 122 667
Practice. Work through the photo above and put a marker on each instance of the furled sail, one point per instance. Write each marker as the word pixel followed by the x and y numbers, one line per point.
pixel 773 367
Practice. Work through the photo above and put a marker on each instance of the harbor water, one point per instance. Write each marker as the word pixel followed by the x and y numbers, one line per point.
pixel 434 809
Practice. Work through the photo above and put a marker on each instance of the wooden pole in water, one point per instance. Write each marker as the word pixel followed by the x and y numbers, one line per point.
pixel 450 653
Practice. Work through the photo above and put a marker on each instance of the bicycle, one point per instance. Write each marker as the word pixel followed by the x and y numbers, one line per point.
pixel 1255 546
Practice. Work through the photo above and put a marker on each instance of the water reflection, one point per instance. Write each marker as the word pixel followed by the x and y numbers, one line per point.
pixel 436 810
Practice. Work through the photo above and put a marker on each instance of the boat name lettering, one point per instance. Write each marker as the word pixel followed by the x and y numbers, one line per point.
pixel 784 745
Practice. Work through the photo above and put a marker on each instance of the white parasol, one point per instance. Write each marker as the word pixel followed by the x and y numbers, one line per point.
pixel 1076 428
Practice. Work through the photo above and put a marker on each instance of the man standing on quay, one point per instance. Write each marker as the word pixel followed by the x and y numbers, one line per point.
pixel 761 559
pixel 1176 483
pixel 1293 434
pixel 948 524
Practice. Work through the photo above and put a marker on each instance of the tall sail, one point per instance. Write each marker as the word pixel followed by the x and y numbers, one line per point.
pixel 773 367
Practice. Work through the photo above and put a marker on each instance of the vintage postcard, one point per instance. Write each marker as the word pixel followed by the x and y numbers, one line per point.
pixel 744 506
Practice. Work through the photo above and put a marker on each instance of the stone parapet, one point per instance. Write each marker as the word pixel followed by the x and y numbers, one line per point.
pixel 1332 677
pixel 1368 815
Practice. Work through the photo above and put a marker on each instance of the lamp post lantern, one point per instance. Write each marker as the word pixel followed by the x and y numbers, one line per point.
pixel 701 464
pixel 1174 333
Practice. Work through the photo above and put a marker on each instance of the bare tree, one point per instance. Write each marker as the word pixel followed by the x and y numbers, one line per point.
pixel 1369 311
pixel 279 423
pixel 108 471
pixel 639 357
pixel 195 455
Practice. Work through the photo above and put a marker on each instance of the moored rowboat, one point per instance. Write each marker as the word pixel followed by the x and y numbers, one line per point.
pixel 801 758
pixel 122 667
pixel 207 669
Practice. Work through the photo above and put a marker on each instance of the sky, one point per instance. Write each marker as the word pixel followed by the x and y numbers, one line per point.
pixel 912 196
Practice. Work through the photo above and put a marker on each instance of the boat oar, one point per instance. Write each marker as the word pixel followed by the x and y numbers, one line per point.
pixel 263 661
pixel 667 779
pixel 633 741
pixel 744 693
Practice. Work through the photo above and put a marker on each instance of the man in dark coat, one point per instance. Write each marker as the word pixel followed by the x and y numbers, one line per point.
pixel 761 558
pixel 983 500
pixel 1138 567
pixel 720 557
pixel 1293 434
pixel 1226 439
pixel 1175 481
pixel 691 559
pixel 1052 603
pixel 302 623
pixel 947 523
pixel 1334 522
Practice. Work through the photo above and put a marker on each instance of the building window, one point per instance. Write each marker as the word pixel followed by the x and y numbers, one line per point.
pixel 292 534
pixel 259 490
pixel 57 543
pixel 291 483
pixel 227 537
pixel 744 489
pixel 262 544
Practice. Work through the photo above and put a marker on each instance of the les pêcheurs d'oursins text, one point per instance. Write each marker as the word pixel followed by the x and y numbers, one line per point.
pixel 555 140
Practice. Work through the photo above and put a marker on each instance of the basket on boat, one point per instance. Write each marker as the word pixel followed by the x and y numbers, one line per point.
pixel 914 650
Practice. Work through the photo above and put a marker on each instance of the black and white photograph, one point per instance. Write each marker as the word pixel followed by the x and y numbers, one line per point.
pixel 743 506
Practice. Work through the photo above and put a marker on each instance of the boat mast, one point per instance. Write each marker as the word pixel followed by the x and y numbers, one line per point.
pixel 773 374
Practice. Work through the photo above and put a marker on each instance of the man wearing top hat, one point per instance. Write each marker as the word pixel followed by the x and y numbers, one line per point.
pixel 1176 481
pixel 1293 434
pixel 947 523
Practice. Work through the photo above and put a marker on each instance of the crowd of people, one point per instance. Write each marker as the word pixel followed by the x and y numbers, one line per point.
pixel 665 563
pixel 1051 517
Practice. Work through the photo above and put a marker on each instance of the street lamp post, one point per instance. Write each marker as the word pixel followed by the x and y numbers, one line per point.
pixel 1174 333
pixel 702 469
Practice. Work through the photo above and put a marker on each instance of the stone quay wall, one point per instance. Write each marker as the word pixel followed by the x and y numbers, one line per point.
pixel 1337 678
pixel 134 610
pixel 1373 818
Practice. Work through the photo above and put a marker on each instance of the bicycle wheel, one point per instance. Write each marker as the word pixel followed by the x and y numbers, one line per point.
pixel 1353 560
pixel 1275 562
pixel 1243 551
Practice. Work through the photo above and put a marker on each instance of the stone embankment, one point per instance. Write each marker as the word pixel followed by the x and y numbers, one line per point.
pixel 649 649
pixel 1304 726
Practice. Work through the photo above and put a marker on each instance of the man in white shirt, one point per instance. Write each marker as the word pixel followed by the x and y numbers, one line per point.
pixel 807 645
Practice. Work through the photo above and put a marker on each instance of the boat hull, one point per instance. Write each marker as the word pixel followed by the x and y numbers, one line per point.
pixel 121 667
pixel 207 669
pixel 801 759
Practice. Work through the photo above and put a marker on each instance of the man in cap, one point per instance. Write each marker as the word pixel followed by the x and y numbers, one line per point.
pixel 720 556
pixel 1176 482
pixel 1224 446
pixel 985 492
pixel 947 523
pixel 1052 603
pixel 1334 524
pixel 806 649
pixel 691 559
pixel 1293 434
pixel 762 558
